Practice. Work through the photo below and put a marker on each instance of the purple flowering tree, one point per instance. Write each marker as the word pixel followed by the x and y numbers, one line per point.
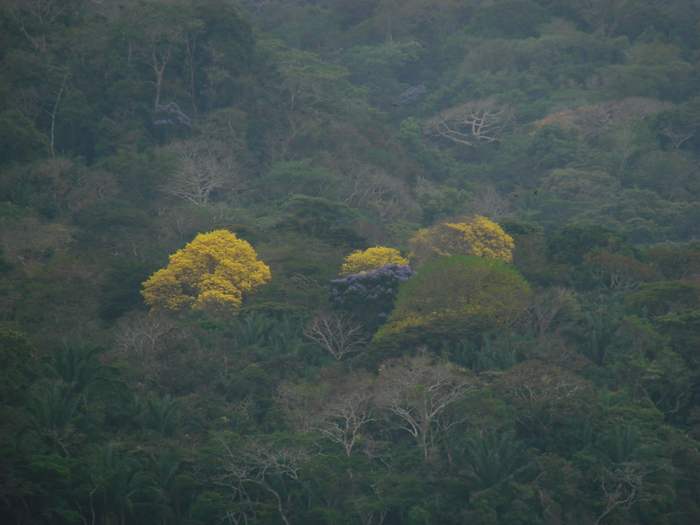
pixel 169 112
pixel 370 296
pixel 412 94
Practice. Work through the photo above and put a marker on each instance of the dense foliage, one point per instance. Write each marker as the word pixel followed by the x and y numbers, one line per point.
pixel 213 273
pixel 371 259
pixel 476 236
pixel 370 295
pixel 532 358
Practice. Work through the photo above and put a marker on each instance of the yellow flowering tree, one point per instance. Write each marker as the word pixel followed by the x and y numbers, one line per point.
pixel 477 236
pixel 211 273
pixel 371 259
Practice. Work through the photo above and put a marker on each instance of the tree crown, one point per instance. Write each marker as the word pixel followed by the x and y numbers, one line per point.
pixel 211 273
pixel 476 236
pixel 371 259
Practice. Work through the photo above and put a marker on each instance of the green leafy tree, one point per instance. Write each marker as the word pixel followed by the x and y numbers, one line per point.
pixel 298 178
pixel 571 184
pixel 454 298
pixel 675 262
pixel 378 66
pixel 17 371
pixel 683 329
pixel 551 403
pixel 508 19
pixel 570 243
pixel 20 141
pixel 321 218
pixel 17 365
pixel 646 368
pixel 667 296
pixel 122 486
pixel 488 460
pixel 654 69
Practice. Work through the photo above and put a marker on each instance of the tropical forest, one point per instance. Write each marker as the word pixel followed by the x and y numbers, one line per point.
pixel 349 262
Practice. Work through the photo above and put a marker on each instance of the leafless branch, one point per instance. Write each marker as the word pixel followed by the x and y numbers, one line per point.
pixel 142 333
pixel 253 464
pixel 479 121
pixel 337 410
pixel 337 333
pixel 677 137
pixel 625 485
pixel 418 392
pixel 492 205
pixel 207 167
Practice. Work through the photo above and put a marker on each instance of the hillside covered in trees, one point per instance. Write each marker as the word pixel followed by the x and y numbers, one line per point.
pixel 350 262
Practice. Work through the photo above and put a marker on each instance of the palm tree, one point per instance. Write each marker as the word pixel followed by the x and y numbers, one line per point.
pixel 123 487
pixel 77 365
pixel 164 415
pixel 491 459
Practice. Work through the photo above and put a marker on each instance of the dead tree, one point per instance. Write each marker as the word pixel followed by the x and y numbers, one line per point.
pixel 337 333
pixel 336 410
pixel 254 464
pixel 626 484
pixel 206 169
pixel 476 122
pixel 678 137
pixel 418 392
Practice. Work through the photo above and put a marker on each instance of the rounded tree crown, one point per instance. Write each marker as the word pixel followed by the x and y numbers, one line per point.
pixel 371 259
pixel 477 236
pixel 211 273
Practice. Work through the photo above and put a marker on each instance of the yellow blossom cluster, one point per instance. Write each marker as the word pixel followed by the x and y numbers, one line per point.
pixel 211 273
pixel 476 236
pixel 371 259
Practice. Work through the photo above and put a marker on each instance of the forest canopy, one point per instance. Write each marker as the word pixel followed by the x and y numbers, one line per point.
pixel 350 262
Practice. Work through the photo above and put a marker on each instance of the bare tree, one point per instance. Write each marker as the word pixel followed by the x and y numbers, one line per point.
pixel 337 410
pixel 543 393
pixel 366 185
pixel 625 141
pixel 367 508
pixel 28 242
pixel 553 348
pixel 34 17
pixel 533 381
pixel 549 309
pixel 617 272
pixel 207 168
pixel 678 137
pixel 53 115
pixel 603 15
pixel 337 333
pixel 631 109
pixel 492 205
pixel 478 121
pixel 142 333
pixel 591 121
pixel 626 484
pixel 418 392
pixel 159 54
pixel 256 5
pixel 254 463
pixel 27 100
pixel 385 196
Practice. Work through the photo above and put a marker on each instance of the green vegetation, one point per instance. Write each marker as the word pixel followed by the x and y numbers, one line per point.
pixel 535 162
